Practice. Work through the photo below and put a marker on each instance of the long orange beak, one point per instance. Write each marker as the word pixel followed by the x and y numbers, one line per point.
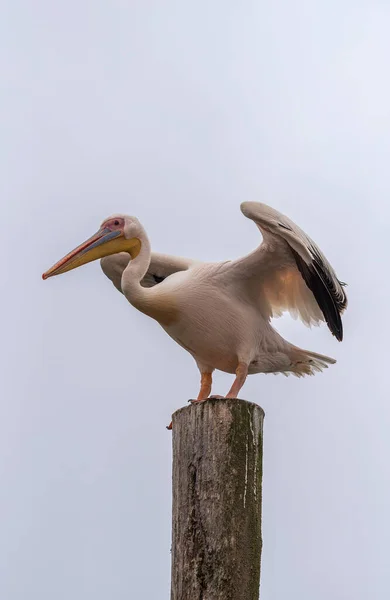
pixel 103 243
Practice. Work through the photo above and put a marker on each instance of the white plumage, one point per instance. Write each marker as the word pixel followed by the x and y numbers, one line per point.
pixel 221 312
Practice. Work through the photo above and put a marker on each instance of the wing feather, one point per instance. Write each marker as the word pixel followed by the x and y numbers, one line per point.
pixel 292 272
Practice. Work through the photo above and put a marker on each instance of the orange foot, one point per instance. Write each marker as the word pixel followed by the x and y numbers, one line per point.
pixel 200 400
pixel 204 392
pixel 197 401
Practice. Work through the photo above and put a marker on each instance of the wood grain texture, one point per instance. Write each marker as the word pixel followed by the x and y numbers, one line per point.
pixel 217 487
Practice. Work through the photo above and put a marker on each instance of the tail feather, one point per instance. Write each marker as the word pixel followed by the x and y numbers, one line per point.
pixel 305 362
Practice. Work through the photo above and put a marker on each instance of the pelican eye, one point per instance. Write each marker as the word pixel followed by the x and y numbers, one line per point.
pixel 116 222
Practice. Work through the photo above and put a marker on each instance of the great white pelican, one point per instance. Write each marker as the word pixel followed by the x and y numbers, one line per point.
pixel 221 312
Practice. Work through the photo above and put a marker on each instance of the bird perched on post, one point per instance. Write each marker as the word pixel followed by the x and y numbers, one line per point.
pixel 221 312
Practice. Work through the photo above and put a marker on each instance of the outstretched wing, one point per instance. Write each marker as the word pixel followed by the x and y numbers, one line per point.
pixel 161 266
pixel 290 272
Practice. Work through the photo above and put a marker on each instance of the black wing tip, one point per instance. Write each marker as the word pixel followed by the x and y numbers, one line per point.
pixel 339 335
pixel 332 314
pixel 334 324
pixel 317 281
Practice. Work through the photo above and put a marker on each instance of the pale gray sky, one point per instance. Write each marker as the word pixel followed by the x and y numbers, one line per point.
pixel 176 112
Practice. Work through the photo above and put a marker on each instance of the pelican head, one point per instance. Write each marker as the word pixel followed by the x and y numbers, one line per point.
pixel 118 233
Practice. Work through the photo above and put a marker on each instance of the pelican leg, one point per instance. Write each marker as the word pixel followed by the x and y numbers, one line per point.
pixel 206 380
pixel 241 375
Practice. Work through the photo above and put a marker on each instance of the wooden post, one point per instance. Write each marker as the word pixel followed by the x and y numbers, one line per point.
pixel 217 484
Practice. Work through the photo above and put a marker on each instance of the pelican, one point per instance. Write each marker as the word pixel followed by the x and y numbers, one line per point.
pixel 221 312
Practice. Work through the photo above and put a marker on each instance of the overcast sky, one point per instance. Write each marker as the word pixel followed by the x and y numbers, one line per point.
pixel 176 112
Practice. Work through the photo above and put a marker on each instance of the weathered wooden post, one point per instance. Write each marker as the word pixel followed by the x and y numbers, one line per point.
pixel 217 484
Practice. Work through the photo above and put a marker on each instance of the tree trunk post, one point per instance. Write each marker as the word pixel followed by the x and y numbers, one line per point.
pixel 217 487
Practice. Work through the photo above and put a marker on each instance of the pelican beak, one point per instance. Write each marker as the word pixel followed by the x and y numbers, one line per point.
pixel 103 243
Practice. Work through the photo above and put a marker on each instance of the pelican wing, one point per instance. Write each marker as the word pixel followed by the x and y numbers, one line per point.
pixel 161 266
pixel 290 272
